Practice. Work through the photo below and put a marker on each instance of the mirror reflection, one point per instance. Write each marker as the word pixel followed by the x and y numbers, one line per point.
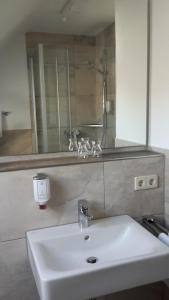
pixel 62 82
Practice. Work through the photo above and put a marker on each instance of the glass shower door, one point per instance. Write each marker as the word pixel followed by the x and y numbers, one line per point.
pixel 52 97
pixel 58 97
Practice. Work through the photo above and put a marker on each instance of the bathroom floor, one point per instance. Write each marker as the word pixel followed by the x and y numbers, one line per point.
pixel 155 291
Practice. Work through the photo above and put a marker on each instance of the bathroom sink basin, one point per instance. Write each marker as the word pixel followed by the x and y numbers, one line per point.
pixel 110 255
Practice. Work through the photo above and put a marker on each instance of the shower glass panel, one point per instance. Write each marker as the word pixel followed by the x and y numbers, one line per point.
pixel 74 94
pixel 52 83
pixel 58 98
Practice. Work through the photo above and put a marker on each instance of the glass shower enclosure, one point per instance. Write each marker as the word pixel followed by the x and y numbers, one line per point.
pixel 70 94
pixel 49 80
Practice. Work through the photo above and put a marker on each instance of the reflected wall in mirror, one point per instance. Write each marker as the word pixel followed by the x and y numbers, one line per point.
pixel 73 69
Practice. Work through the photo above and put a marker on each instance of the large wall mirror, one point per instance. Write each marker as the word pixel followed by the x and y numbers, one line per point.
pixel 72 69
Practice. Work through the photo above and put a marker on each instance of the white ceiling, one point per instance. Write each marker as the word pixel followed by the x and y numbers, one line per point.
pixel 86 17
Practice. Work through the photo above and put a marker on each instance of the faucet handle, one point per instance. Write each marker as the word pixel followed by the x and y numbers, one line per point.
pixel 82 204
pixel 84 210
pixel 83 214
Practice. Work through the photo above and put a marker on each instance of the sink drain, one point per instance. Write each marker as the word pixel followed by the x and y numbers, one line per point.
pixel 91 260
pixel 86 237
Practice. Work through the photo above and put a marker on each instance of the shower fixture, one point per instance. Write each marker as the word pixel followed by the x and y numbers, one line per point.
pixel 67 9
pixel 92 66
pixel 106 105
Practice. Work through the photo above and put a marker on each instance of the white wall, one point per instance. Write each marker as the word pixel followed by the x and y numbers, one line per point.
pixel 131 69
pixel 14 91
pixel 159 91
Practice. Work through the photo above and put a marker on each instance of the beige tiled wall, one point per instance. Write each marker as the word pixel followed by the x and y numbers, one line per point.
pixel 166 180
pixel 68 184
pixel 120 198
pixel 107 186
pixel 166 152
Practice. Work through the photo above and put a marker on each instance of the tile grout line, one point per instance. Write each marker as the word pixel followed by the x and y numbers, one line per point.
pixel 12 240
pixel 104 190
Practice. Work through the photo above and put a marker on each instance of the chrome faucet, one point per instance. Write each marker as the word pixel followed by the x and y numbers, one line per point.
pixel 83 214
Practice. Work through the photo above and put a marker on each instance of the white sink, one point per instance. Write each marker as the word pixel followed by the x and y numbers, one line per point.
pixel 126 255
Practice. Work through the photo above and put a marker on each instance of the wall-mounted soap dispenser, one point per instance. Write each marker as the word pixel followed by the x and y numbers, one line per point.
pixel 41 188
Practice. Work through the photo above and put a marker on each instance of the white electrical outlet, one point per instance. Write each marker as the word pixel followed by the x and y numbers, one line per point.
pixel 152 181
pixel 145 182
pixel 140 183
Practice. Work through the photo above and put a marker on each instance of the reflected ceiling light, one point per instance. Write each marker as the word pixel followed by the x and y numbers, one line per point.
pixel 67 9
